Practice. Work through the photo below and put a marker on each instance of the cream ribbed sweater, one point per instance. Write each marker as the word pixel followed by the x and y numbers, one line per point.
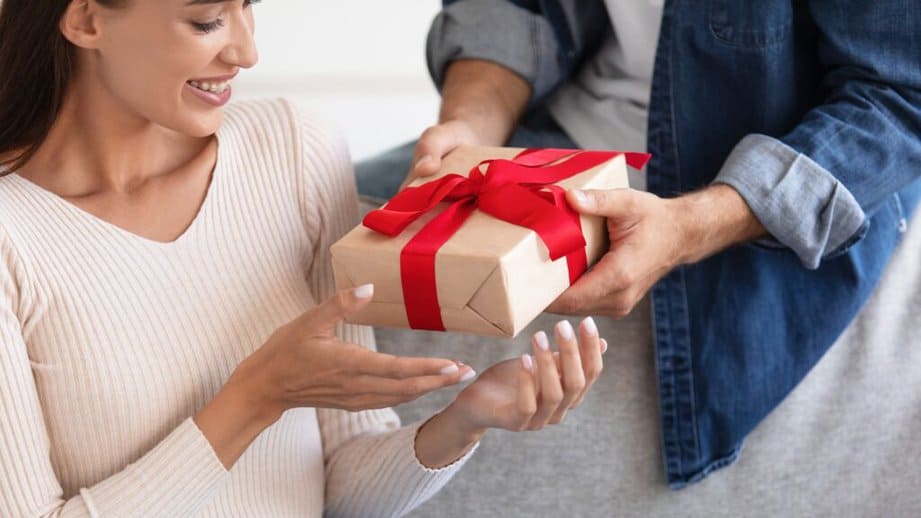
pixel 110 342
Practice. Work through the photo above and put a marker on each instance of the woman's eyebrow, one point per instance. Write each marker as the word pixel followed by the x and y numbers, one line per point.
pixel 196 2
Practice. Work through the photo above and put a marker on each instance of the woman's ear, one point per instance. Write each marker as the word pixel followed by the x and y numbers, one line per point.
pixel 80 24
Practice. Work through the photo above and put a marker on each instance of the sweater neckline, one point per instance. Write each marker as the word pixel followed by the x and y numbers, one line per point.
pixel 187 234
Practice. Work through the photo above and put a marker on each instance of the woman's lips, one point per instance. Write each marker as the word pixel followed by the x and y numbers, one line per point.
pixel 218 97
pixel 215 91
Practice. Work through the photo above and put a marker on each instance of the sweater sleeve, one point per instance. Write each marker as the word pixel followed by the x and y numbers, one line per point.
pixel 176 478
pixel 371 466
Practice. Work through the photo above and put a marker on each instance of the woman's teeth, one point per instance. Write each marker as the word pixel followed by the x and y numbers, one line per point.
pixel 215 88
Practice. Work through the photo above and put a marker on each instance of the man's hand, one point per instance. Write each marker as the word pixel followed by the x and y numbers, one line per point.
pixel 650 236
pixel 435 143
pixel 481 103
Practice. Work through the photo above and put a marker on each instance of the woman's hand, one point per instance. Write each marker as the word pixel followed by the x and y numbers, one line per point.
pixel 526 393
pixel 304 364
pixel 531 392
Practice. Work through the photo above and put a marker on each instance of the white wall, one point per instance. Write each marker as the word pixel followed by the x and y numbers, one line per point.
pixel 359 63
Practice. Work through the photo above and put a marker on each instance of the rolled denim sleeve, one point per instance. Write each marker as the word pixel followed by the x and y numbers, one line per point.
pixel 815 187
pixel 543 42
pixel 499 31
pixel 799 202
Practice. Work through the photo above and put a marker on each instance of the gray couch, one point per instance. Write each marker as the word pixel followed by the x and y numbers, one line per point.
pixel 845 443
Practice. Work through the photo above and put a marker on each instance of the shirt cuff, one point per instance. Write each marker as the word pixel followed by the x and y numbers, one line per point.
pixel 408 437
pixel 179 476
pixel 801 204
pixel 496 31
pixel 382 476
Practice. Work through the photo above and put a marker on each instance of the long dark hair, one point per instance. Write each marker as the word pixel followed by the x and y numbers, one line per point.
pixel 36 65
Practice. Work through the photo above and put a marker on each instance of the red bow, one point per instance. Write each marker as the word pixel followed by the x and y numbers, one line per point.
pixel 519 191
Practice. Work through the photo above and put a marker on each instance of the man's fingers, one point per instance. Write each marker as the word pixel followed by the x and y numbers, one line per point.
pixel 434 144
pixel 587 293
pixel 611 203
pixel 322 319
pixel 427 165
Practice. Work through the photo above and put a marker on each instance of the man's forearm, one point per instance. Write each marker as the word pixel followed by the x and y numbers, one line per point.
pixel 488 97
pixel 713 219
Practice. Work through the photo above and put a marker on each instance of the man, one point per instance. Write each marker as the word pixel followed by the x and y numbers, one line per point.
pixel 785 171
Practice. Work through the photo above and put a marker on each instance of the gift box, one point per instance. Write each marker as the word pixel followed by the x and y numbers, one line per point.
pixel 484 246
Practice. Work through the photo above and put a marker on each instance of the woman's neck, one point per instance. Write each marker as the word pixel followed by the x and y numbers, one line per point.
pixel 104 147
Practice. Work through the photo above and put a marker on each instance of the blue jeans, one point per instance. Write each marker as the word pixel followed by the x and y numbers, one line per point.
pixel 380 176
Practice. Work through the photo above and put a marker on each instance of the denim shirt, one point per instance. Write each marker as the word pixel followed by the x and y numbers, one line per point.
pixel 811 110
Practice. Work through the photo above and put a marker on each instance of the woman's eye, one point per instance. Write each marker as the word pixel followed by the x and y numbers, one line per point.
pixel 206 27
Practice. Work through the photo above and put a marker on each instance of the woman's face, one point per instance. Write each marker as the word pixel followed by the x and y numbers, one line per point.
pixel 171 62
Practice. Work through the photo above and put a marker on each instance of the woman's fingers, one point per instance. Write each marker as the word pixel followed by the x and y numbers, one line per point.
pixel 526 404
pixel 573 377
pixel 591 347
pixel 324 317
pixel 380 365
pixel 548 380
pixel 408 389
pixel 563 378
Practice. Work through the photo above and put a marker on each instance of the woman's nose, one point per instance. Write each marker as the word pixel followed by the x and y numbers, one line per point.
pixel 241 50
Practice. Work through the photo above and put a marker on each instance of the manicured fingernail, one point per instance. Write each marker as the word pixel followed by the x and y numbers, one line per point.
pixel 590 328
pixel 564 328
pixel 450 369
pixel 604 346
pixel 364 292
pixel 423 160
pixel 469 375
pixel 527 362
pixel 581 198
pixel 541 340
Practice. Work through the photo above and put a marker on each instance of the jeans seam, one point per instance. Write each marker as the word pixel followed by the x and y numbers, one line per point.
pixel 680 440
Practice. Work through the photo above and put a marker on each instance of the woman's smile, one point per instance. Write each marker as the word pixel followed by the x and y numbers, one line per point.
pixel 215 91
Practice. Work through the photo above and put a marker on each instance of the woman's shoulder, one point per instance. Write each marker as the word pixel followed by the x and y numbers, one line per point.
pixel 278 137
pixel 13 199
pixel 280 126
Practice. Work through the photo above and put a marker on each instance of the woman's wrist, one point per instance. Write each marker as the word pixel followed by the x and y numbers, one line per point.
pixel 446 437
pixel 233 419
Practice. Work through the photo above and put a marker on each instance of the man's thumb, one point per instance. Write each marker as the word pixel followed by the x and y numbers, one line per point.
pixel 606 203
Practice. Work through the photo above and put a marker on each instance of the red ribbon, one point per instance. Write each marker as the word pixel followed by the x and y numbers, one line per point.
pixel 519 191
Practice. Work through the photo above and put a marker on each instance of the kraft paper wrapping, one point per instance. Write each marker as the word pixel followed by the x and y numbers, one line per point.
pixel 493 277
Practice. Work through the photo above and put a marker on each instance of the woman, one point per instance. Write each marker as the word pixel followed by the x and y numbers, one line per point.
pixel 162 352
